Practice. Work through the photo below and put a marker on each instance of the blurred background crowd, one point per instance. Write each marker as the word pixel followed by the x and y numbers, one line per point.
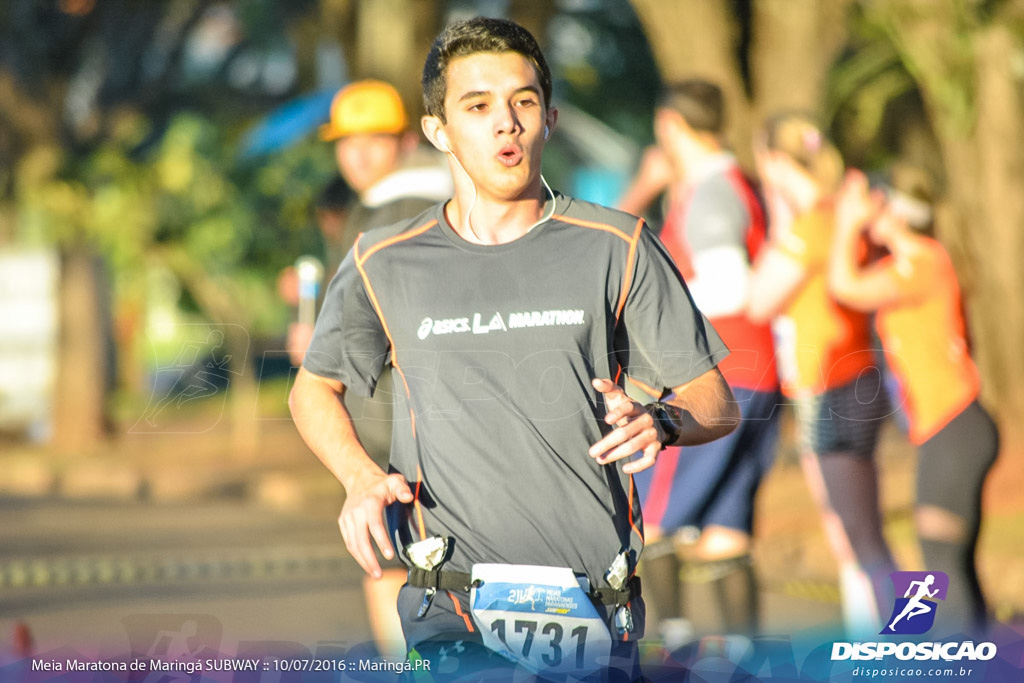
pixel 161 167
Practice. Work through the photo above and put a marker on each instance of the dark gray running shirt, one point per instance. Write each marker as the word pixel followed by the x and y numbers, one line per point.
pixel 493 350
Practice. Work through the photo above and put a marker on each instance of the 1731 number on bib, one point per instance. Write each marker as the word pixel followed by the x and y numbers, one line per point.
pixel 551 642
pixel 540 617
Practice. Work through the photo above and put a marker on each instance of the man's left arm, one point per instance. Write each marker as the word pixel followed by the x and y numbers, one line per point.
pixel 696 412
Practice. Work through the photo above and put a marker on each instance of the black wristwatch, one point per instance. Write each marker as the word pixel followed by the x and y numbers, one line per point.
pixel 669 420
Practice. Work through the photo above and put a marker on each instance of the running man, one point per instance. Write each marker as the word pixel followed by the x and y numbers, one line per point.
pixel 510 315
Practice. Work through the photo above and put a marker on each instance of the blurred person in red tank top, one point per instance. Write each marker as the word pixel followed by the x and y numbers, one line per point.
pixel 703 496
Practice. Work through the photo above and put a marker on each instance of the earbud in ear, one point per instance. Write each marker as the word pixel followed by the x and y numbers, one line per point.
pixel 547 132
pixel 443 144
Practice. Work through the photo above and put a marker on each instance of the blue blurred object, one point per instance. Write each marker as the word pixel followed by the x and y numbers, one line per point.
pixel 598 184
pixel 288 124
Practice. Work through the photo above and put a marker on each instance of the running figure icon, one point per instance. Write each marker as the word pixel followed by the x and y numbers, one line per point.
pixel 916 605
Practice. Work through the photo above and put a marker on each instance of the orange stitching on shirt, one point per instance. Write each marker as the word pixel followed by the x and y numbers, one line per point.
pixel 359 261
pixel 627 281
pixel 416 504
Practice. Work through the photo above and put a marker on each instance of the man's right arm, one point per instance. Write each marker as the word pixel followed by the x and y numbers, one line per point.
pixel 325 426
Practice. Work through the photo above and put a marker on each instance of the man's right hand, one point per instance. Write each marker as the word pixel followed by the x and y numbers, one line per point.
pixel 326 427
pixel 362 517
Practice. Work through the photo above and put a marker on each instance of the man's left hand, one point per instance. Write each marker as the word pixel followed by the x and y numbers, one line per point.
pixel 635 430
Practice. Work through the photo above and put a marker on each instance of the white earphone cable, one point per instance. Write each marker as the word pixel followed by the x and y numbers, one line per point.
pixel 467 224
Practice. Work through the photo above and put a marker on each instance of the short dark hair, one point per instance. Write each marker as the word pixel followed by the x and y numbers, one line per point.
pixel 699 102
pixel 474 36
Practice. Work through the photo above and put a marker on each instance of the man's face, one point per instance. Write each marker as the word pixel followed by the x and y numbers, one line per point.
pixel 496 119
pixel 366 158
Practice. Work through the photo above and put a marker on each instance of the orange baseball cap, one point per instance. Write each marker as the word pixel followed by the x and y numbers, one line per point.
pixel 365 107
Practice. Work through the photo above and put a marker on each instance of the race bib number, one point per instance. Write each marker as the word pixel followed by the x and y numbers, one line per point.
pixel 540 617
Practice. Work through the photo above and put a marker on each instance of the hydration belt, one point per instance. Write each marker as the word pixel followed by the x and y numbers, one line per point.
pixel 439 579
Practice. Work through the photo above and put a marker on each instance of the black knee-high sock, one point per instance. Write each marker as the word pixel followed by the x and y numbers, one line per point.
pixel 963 610
pixel 737 596
pixel 659 571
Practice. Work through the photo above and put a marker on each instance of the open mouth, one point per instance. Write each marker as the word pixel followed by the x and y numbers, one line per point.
pixel 510 155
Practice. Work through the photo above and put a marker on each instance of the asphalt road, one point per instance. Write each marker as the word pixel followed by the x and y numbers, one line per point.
pixel 101 578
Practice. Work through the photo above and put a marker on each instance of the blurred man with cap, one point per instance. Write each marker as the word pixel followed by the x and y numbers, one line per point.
pixel 379 157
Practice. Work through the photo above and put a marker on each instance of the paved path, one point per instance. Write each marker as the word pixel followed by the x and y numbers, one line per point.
pixel 86 575
pixel 106 577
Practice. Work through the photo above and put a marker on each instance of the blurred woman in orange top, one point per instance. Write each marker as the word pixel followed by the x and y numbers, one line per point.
pixel 919 318
pixel 825 359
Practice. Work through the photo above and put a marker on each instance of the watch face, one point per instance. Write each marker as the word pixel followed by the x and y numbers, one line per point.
pixel 668 421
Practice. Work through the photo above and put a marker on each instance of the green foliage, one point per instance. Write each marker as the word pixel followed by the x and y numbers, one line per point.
pixel 603 65
pixel 935 41
pixel 237 223
pixel 867 86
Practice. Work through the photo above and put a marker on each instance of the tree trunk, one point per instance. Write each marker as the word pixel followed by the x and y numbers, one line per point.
pixel 392 40
pixel 338 17
pixel 83 367
pixel 792 47
pixel 973 99
pixel 698 39
pixel 243 394
pixel 984 173
pixel 533 16
pixel 221 307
